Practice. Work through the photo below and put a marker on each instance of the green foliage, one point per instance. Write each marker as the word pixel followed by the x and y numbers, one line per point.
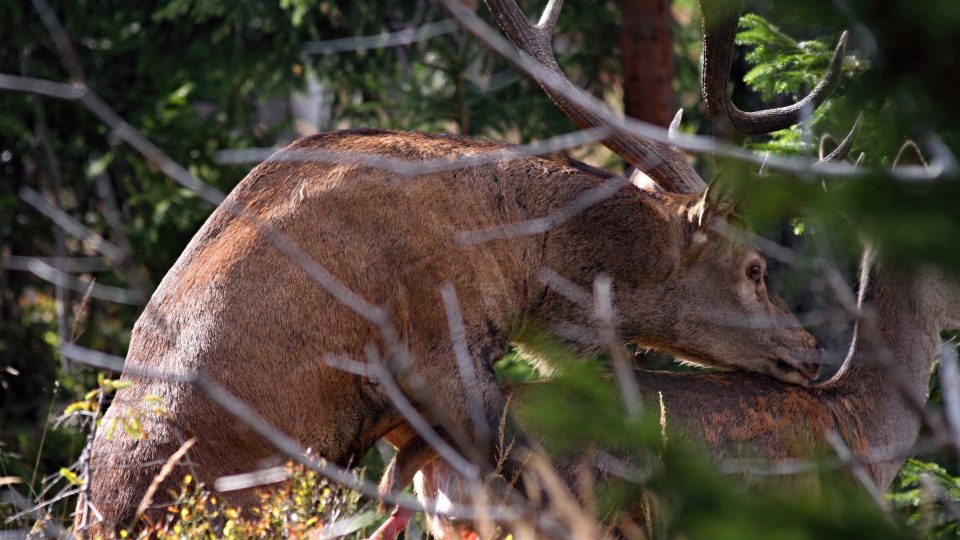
pixel 783 65
pixel 452 83
pixel 927 495
pixel 306 504
pixel 910 222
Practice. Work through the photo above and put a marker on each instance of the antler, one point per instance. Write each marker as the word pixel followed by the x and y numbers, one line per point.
pixel 668 167
pixel 719 32
pixel 845 145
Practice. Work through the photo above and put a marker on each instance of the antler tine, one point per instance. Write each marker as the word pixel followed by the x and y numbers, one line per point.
pixel 917 154
pixel 719 33
pixel 846 144
pixel 674 128
pixel 668 167
pixel 548 19
pixel 825 139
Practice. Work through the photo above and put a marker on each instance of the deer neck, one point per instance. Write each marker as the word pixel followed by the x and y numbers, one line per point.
pixel 613 238
pixel 890 359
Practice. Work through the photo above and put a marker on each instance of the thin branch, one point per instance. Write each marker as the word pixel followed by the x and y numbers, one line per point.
pixel 165 471
pixel 465 364
pixel 418 167
pixel 279 440
pixel 61 40
pixel 861 474
pixel 262 477
pixel 60 246
pixel 72 226
pixel 82 265
pixel 406 36
pixel 570 290
pixel 603 311
pixel 115 220
pixel 376 370
pixel 539 225
pixel 41 87
pixel 105 292
pixel 950 389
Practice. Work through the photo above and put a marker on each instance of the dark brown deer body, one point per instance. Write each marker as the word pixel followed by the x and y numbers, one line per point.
pixel 744 416
pixel 236 310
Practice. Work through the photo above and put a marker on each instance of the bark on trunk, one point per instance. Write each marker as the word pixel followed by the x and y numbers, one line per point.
pixel 647 53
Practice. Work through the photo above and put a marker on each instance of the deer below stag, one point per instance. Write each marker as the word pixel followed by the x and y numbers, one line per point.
pixel 873 406
pixel 235 310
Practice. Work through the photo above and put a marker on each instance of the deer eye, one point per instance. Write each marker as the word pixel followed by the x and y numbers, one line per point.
pixel 755 273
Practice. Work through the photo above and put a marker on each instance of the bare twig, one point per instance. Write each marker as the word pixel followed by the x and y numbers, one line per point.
pixel 66 264
pixel 61 40
pixel 603 311
pixel 283 443
pixel 943 167
pixel 465 364
pixel 115 220
pixel 573 292
pixel 950 389
pixel 162 475
pixel 861 474
pixel 62 279
pixel 262 477
pixel 542 224
pixel 406 36
pixel 55 189
pixel 72 226
pixel 375 368
pixel 410 168
pixel 49 529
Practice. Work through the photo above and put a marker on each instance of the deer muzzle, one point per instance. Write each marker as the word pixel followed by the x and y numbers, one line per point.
pixel 799 366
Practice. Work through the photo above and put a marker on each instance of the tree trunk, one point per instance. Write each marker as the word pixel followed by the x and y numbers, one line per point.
pixel 647 54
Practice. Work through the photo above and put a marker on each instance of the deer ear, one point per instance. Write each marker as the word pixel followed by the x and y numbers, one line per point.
pixel 714 203
pixel 718 201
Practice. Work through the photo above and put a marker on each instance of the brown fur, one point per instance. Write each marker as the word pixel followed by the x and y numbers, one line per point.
pixel 742 415
pixel 238 311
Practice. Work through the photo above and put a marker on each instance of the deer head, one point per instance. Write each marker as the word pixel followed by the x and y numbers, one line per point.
pixel 714 298
pixel 716 308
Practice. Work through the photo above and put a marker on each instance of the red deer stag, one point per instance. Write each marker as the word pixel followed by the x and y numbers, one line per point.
pixel 253 321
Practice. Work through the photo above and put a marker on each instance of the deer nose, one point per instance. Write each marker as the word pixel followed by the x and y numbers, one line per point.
pixel 808 370
pixel 805 362
pixel 811 368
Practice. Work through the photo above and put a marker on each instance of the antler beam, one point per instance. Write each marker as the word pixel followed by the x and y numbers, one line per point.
pixel 720 20
pixel 668 167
